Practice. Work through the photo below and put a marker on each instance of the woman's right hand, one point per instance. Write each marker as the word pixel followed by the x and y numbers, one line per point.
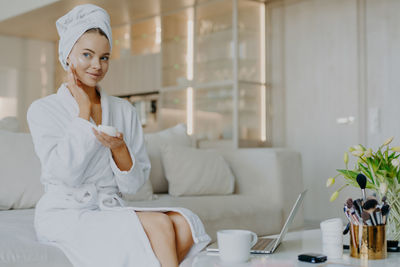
pixel 79 94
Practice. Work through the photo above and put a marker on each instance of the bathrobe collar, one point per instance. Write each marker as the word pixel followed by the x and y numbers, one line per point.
pixel 71 105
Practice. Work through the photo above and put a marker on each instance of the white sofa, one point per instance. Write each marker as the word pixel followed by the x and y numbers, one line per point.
pixel 267 182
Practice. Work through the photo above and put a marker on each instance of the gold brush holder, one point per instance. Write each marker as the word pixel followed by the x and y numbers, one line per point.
pixel 373 242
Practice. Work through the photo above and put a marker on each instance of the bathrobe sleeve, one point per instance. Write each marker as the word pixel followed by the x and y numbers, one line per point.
pixel 64 151
pixel 129 182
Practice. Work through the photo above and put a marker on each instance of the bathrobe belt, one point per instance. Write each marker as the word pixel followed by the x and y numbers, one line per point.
pixel 87 196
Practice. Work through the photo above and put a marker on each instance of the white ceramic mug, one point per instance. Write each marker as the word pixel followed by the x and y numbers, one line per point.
pixel 234 245
pixel 110 130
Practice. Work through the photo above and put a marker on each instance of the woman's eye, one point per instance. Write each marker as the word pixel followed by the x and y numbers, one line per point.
pixel 86 54
pixel 104 58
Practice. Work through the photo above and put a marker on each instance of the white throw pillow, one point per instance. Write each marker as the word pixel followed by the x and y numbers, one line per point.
pixel 192 172
pixel 9 124
pixel 20 186
pixel 154 141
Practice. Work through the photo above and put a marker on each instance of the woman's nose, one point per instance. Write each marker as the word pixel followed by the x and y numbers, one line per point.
pixel 96 63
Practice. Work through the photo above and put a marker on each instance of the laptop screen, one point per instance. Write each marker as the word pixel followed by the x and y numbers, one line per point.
pixel 289 220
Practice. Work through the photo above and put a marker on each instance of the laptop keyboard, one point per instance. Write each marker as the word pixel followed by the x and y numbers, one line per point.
pixel 262 243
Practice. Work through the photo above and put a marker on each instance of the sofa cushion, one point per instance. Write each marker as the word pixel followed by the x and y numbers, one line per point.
pixel 9 124
pixel 192 172
pixel 20 186
pixel 19 246
pixel 144 193
pixel 154 141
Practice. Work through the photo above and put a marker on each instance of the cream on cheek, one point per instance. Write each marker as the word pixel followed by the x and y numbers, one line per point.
pixel 76 61
pixel 82 61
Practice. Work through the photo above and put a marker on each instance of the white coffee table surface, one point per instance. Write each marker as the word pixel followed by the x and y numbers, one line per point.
pixel 286 254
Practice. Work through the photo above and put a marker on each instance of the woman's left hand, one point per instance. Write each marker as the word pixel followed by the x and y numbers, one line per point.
pixel 110 141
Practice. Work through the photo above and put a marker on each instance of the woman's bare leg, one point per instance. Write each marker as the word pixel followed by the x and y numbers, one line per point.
pixel 160 231
pixel 183 234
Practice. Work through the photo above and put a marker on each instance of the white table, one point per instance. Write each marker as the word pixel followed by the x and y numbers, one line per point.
pixel 294 244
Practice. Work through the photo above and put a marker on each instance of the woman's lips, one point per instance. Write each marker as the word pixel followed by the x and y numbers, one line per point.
pixel 93 75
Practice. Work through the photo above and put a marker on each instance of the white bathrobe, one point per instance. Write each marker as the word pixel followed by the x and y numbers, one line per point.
pixel 81 211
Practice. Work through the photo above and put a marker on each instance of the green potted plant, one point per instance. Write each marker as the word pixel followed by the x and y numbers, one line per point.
pixel 381 167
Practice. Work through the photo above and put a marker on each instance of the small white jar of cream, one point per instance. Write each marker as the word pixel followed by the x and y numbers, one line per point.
pixel 109 130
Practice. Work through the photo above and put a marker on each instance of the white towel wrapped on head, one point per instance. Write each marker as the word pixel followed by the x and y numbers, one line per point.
pixel 72 25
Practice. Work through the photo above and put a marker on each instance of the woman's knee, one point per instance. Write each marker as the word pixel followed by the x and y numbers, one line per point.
pixel 163 222
pixel 178 220
pixel 181 226
pixel 156 223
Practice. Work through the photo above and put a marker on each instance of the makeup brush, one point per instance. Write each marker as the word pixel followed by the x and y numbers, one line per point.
pixel 358 207
pixel 362 182
pixel 352 205
pixel 385 213
pixel 347 213
pixel 366 218
pixel 383 201
pixel 360 233
pixel 378 214
pixel 370 204
pixel 349 202
pixel 352 211
pixel 353 221
pixel 374 217
pixel 346 230
pixel 353 235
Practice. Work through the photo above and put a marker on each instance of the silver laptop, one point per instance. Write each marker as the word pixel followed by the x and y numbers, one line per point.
pixel 269 245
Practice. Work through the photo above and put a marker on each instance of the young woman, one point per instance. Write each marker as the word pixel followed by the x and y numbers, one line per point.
pixel 85 170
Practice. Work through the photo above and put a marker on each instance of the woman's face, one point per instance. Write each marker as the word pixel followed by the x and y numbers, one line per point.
pixel 90 58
